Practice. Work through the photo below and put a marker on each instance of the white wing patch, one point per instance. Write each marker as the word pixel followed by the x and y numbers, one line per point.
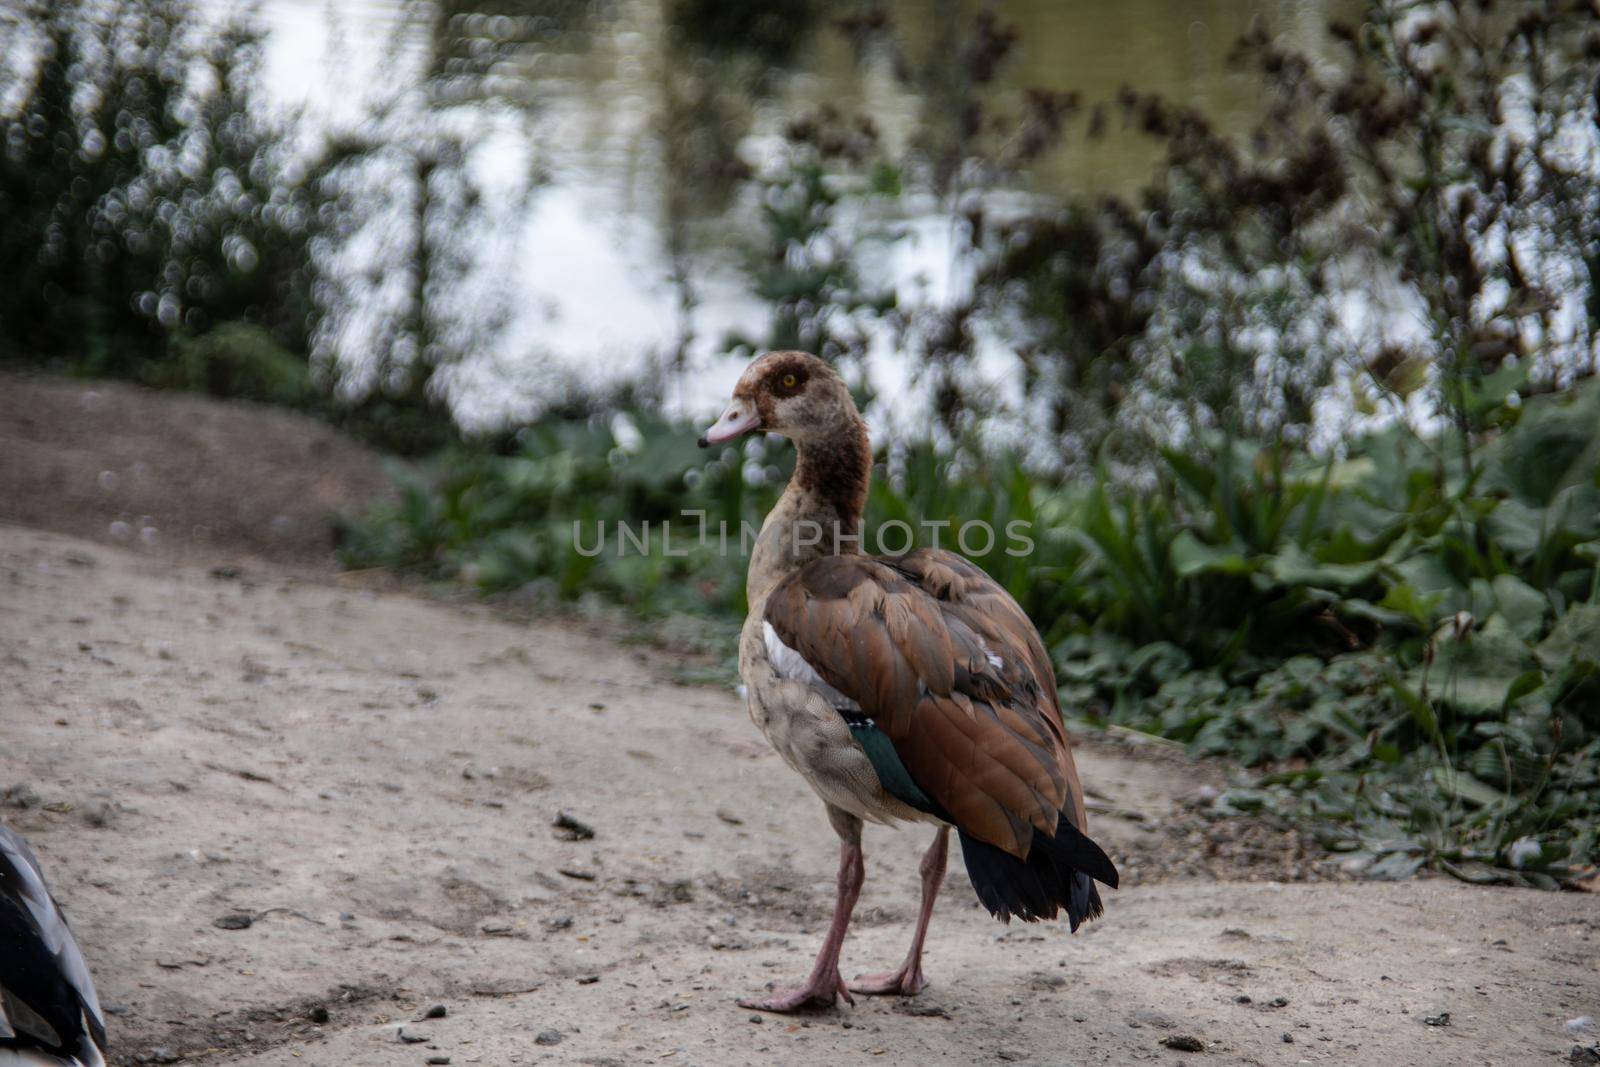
pixel 993 657
pixel 791 665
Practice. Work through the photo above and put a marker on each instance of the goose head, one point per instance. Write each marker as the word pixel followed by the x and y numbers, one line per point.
pixel 790 393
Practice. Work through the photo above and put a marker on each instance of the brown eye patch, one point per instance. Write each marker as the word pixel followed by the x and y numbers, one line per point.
pixel 786 379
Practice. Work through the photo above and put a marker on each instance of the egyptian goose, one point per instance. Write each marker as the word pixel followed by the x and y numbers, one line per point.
pixel 902 688
pixel 49 1016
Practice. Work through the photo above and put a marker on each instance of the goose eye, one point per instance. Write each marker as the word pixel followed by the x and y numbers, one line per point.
pixel 788 381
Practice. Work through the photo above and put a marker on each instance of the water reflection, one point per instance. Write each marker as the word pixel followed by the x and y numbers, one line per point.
pixel 600 148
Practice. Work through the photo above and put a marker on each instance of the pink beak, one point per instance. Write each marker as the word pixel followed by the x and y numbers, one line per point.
pixel 740 418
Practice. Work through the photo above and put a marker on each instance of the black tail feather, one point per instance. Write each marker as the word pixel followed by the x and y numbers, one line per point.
pixel 1056 876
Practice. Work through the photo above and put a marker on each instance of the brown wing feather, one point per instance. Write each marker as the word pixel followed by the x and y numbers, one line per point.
pixel 984 604
pixel 908 638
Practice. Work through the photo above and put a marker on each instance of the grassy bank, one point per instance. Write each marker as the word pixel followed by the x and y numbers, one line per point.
pixel 1403 650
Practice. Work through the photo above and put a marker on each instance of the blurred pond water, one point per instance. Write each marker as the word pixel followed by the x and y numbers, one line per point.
pixel 616 134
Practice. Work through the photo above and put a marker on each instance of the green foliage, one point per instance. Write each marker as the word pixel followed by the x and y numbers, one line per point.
pixel 805 268
pixel 538 516
pixel 1438 159
pixel 1408 654
pixel 141 199
pixel 629 508
pixel 236 359
pixel 159 227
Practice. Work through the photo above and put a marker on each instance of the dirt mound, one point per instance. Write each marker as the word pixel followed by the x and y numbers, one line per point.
pixel 176 474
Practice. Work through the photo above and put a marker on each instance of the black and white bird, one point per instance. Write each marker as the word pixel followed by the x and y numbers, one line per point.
pixel 49 1015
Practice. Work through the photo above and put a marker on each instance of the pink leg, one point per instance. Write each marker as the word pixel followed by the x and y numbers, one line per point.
pixel 908 980
pixel 825 985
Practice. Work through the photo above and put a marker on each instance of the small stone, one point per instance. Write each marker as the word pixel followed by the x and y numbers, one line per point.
pixel 589 979
pixel 1184 1043
pixel 1584 1057
pixel 496 927
pixel 100 812
pixel 162 1055
pixel 410 1039
pixel 439 1059
pixel 572 829
pixel 319 1014
pixel 1441 1019
pixel 1288 1038
pixel 1278 1002
pixel 756 1019
pixel 438 1011
pixel 548 1037
pixel 234 920
pixel 560 922
pixel 22 795
pixel 1242 998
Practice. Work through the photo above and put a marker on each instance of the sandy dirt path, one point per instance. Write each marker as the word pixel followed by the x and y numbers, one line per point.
pixel 370 778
